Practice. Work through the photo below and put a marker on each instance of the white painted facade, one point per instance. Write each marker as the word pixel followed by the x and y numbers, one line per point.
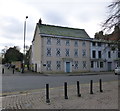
pixel 102 56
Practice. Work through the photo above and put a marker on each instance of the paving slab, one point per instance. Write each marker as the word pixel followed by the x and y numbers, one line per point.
pixel 108 99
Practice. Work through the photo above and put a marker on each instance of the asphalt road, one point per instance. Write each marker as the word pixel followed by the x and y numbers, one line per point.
pixel 23 83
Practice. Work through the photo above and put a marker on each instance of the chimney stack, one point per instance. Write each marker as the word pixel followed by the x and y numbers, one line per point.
pixel 40 21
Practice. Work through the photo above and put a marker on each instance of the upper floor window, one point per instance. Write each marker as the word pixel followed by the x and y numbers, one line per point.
pixel 58 42
pixel 48 51
pixel 109 54
pixel 99 44
pixel 76 43
pixel 118 54
pixel 109 45
pixel 93 54
pixel 67 42
pixel 67 52
pixel 83 43
pixel 83 52
pixel 58 52
pixel 99 54
pixel 76 52
pixel 93 43
pixel 48 41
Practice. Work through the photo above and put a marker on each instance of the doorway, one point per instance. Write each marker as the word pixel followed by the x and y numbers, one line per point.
pixel 67 67
pixel 109 66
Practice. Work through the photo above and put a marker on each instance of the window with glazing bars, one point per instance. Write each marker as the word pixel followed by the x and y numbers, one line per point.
pixel 48 65
pixel 58 52
pixel 67 52
pixel 75 64
pixel 76 52
pixel 48 41
pixel 58 65
pixel 48 51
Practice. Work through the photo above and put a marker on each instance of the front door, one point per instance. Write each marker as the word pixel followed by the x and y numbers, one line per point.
pixel 109 66
pixel 67 67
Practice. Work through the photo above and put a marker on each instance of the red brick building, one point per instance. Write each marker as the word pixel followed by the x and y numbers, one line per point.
pixel 115 35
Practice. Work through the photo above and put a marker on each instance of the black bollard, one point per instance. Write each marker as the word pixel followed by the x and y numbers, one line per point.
pixel 78 89
pixel 3 71
pixel 65 90
pixel 91 87
pixel 47 93
pixel 13 71
pixel 100 83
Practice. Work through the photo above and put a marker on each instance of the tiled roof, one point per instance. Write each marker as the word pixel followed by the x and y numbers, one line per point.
pixel 62 31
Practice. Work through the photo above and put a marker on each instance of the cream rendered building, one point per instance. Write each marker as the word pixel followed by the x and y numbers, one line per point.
pixel 57 49
pixel 104 55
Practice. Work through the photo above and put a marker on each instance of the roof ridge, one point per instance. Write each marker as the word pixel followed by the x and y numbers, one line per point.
pixel 62 26
pixel 61 30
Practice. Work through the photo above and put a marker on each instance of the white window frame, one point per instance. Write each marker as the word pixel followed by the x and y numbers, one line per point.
pixel 84 53
pixel 58 41
pixel 84 63
pixel 83 43
pixel 67 52
pixel 76 43
pixel 49 40
pixel 67 42
pixel 58 65
pixel 48 65
pixel 58 50
pixel 76 64
pixel 49 52
pixel 75 52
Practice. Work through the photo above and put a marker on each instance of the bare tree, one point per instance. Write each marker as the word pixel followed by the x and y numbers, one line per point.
pixel 114 16
pixel 113 21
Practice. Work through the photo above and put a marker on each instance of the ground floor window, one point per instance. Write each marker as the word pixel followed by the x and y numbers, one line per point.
pixel 84 64
pixel 97 64
pixel 92 64
pixel 101 65
pixel 48 65
pixel 75 64
pixel 58 65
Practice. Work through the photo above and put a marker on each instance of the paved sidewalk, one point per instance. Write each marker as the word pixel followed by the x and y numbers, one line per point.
pixel 9 72
pixel 36 100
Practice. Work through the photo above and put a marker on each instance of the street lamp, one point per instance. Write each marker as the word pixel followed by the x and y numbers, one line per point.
pixel 23 65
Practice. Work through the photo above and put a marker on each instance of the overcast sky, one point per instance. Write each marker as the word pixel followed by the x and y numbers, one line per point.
pixel 83 14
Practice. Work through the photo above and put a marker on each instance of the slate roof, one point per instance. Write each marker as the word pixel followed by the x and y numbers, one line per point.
pixel 62 31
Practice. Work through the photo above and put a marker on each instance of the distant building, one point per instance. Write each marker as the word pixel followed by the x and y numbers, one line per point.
pixel 104 55
pixel 115 35
pixel 57 49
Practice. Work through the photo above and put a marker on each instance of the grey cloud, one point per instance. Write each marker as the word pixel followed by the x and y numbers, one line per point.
pixel 6 44
pixel 14 29
pixel 12 25
pixel 55 17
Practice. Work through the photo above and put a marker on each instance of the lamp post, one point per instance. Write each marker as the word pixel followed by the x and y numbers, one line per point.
pixel 23 64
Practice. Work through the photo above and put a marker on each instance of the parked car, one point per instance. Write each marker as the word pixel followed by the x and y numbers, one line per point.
pixel 117 70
